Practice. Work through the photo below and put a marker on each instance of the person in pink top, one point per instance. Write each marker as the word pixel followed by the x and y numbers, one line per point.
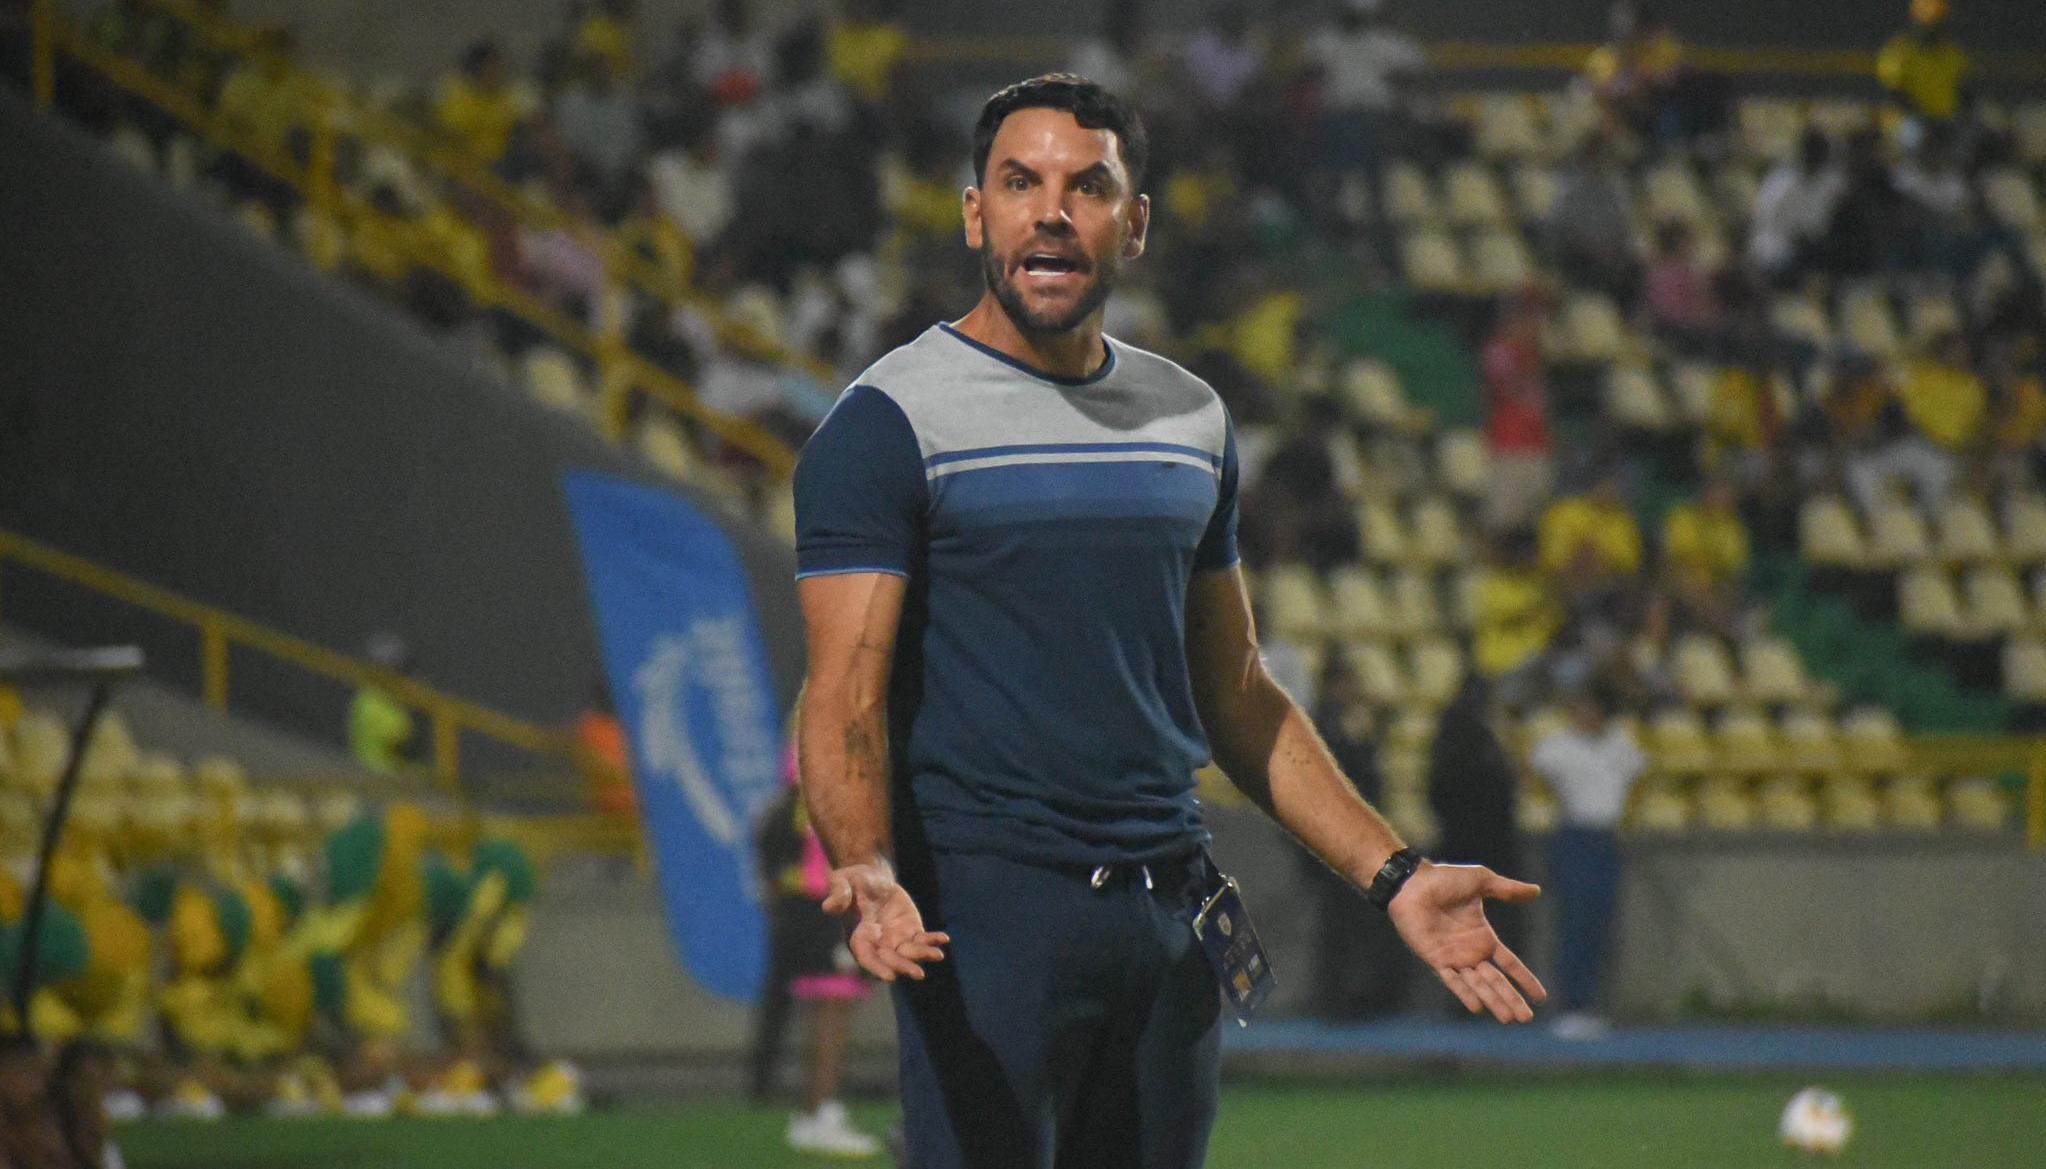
pixel 1517 414
pixel 1678 296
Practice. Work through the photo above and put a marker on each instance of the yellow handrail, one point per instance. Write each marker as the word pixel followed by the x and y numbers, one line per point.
pixel 219 631
pixel 635 371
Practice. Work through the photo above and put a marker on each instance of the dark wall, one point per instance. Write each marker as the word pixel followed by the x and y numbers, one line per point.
pixel 196 407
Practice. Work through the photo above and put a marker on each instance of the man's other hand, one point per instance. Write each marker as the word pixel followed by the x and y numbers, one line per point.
pixel 889 938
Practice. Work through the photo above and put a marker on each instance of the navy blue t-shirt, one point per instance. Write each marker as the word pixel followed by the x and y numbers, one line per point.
pixel 1040 706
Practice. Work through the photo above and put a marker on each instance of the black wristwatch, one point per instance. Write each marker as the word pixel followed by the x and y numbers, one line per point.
pixel 1392 878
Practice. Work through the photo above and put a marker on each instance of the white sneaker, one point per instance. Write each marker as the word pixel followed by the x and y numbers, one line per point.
pixel 830 1132
pixel 1578 1026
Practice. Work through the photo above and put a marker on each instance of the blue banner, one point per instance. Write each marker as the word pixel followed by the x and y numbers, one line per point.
pixel 688 674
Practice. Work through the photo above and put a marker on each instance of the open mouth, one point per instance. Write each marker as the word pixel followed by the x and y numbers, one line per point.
pixel 1051 265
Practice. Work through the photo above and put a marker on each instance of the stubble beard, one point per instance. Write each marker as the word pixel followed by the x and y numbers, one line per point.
pixel 1010 297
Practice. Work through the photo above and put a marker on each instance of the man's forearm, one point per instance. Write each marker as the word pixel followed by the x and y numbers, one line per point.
pixel 842 749
pixel 1270 750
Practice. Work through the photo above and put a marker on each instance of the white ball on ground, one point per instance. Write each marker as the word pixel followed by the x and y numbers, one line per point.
pixel 1815 1121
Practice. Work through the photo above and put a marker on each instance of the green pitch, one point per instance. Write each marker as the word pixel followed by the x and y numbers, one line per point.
pixel 1633 1122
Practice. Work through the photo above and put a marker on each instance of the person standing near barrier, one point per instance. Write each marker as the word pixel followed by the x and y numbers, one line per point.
pixel 1016 549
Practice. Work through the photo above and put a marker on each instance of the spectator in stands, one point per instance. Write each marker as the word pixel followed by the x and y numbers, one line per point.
pixel 1745 424
pixel 1516 617
pixel 865 48
pixel 1112 57
pixel 1924 70
pixel 1360 968
pixel 734 57
pixel 1947 406
pixel 381 732
pixel 1930 176
pixel 1634 75
pixel 1678 298
pixel 1362 64
pixel 652 235
pixel 1298 493
pixel 1224 56
pixel 563 262
pixel 1591 546
pixel 266 110
pixel 1872 219
pixel 1590 231
pixel 692 182
pixel 598 121
pixel 1474 790
pixel 1705 560
pixel 1793 207
pixel 1517 414
pixel 1591 764
pixel 604 34
pixel 2017 416
pixel 479 107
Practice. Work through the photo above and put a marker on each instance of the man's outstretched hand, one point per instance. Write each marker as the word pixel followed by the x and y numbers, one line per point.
pixel 1440 914
pixel 889 938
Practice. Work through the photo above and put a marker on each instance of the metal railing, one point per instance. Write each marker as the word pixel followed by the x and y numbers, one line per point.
pixel 448 717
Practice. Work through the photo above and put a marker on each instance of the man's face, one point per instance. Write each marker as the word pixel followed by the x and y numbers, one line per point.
pixel 1054 219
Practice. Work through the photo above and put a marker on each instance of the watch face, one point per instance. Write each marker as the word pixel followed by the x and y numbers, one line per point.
pixel 1225 925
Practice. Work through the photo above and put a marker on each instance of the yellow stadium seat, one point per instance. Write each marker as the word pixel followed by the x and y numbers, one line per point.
pixel 2011 199
pixel 1412 730
pixel 1386 540
pixel 2024 528
pixel 1692 386
pixel 1769 127
pixel 1745 742
pixel 1409 196
pixel 1361 609
pixel 553 377
pixel 1967 534
pixel 1725 804
pixel 1870 323
pixel 1404 769
pixel 1703 670
pixel 1996 601
pixel 1678 742
pixel 1786 803
pixel 2024 669
pixel 1976 803
pixel 1929 605
pixel 1416 607
pixel 1634 401
pixel 1897 536
pixel 1432 261
pixel 1379 672
pixel 1590 328
pixel 1735 186
pixel 1537 810
pixel 1811 743
pixel 1874 742
pixel 1295 603
pixel 1507 127
pixel 1929 314
pixel 1848 804
pixel 1439 538
pixel 1474 196
pixel 1911 803
pixel 1540 724
pixel 1660 805
pixel 1803 317
pixel 42 746
pixel 1829 534
pixel 1670 192
pixel 1371 390
pixel 1464 585
pixel 1772 673
pixel 1500 261
pixel 1840 117
pixel 663 443
pixel 1463 462
pixel 1534 191
pixel 1572 117
pixel 1437 672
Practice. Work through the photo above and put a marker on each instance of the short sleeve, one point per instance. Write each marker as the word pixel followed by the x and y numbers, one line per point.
pixel 1218 544
pixel 860 491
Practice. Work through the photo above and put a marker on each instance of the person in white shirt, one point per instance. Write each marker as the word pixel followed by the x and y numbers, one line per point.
pixel 1794 206
pixel 1363 64
pixel 1591 765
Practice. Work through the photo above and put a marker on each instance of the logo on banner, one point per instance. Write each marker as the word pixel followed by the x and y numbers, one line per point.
pixel 702 678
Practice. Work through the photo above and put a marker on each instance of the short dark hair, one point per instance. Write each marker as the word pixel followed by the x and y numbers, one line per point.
pixel 1090 104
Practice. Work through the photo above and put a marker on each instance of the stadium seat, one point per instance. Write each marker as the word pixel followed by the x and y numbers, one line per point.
pixel 1848 804
pixel 1967 535
pixel 1976 803
pixel 1379 672
pixel 1811 744
pixel 1474 195
pixel 1735 186
pixel 133 147
pixel 1432 261
pixel 1500 261
pixel 1669 192
pixel 1703 670
pixel 1678 743
pixel 1928 604
pixel 1930 313
pixel 1772 673
pixel 1725 804
pixel 1589 328
pixel 2011 199
pixel 1361 609
pixel 1464 585
pixel 554 379
pixel 1692 387
pixel 2024 669
pixel 1540 724
pixel 1839 118
pixel 2024 528
pixel 1370 389
pixel 1769 127
pixel 1660 805
pixel 1534 191
pixel 1415 605
pixel 1786 803
pixel 1463 462
pixel 1870 323
pixel 1897 536
pixel 1404 769
pixel 1745 742
pixel 181 159
pixel 1829 535
pixel 1413 729
pixel 1911 803
pixel 1507 127
pixel 1295 603
pixel 1409 197
pixel 1633 400
pixel 2028 124
pixel 1439 539
pixel 1874 742
pixel 1996 601
pixel 1437 672
pixel 1386 540
pixel 1803 317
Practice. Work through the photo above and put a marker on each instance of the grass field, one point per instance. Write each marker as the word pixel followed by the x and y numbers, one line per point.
pixel 1639 1122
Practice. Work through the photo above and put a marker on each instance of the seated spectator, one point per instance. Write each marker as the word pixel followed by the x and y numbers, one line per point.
pixel 1871 221
pixel 2017 419
pixel 693 183
pixel 1517 414
pixel 650 234
pixel 1224 56
pixel 266 112
pixel 1678 298
pixel 563 263
pixel 382 734
pixel 598 121
pixel 1634 75
pixel 1793 207
pixel 1930 177
pixel 1299 493
pixel 1745 424
pixel 1705 559
pixel 605 35
pixel 1112 57
pixel 479 107
pixel 1591 546
pixel 734 58
pixel 1516 617
pixel 1937 416
pixel 1923 70
pixel 1363 63
pixel 1590 232
pixel 866 46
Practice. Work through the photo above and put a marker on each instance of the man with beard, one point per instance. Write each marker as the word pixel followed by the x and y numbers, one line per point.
pixel 1016 554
